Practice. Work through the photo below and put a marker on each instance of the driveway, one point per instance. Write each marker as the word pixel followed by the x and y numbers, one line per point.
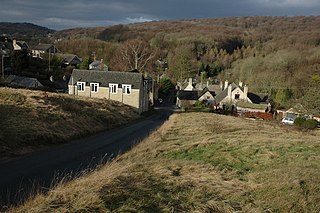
pixel 21 177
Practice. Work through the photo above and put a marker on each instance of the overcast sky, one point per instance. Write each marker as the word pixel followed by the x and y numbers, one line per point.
pixel 63 14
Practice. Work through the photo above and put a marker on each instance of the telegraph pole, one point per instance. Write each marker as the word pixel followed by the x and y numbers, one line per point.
pixel 2 66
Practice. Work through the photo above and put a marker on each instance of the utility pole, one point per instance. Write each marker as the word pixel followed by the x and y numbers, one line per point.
pixel 49 60
pixel 2 65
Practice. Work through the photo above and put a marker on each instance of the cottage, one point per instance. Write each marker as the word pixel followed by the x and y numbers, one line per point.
pixel 98 65
pixel 69 60
pixel 21 81
pixel 41 49
pixel 20 45
pixel 233 93
pixel 127 87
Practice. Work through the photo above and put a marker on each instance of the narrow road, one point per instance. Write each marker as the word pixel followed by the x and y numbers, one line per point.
pixel 38 171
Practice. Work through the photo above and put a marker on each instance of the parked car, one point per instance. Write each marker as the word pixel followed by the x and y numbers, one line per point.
pixel 286 120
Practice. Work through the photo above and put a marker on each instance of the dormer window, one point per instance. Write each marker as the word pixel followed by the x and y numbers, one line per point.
pixel 113 88
pixel 126 89
pixel 81 86
pixel 94 87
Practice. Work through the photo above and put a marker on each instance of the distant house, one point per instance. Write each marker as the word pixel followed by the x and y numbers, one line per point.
pixel 20 45
pixel 295 111
pixel 127 87
pixel 69 60
pixel 98 65
pixel 189 98
pixel 21 81
pixel 186 98
pixel 41 49
pixel 233 93
pixel 188 94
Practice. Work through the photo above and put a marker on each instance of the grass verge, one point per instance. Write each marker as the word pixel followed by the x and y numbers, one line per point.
pixel 201 162
pixel 33 119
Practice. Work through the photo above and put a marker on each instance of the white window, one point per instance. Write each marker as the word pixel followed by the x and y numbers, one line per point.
pixel 94 87
pixel 81 86
pixel 126 89
pixel 113 88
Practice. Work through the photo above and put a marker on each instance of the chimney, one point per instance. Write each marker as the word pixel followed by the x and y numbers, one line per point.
pixel 207 84
pixel 240 84
pixel 190 81
pixel 101 65
pixel 14 44
pixel 221 85
pixel 226 83
pixel 229 92
pixel 245 91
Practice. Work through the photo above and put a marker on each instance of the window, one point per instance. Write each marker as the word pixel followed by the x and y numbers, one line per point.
pixel 126 89
pixel 237 96
pixel 113 88
pixel 81 86
pixel 94 87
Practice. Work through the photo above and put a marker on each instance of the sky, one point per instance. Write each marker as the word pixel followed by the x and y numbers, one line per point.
pixel 65 14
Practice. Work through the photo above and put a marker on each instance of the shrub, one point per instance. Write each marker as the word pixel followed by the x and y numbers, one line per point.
pixel 299 121
pixel 310 124
pixel 200 104
pixel 306 123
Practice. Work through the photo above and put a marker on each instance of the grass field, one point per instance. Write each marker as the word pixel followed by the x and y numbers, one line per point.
pixel 201 162
pixel 34 119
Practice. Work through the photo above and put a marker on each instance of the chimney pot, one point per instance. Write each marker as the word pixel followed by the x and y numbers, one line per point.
pixel 226 83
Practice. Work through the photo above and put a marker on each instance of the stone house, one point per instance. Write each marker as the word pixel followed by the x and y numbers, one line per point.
pixel 41 49
pixel 98 65
pixel 20 45
pixel 69 60
pixel 127 87
pixel 188 94
pixel 232 93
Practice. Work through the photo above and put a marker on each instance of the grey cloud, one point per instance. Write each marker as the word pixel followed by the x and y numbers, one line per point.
pixel 60 14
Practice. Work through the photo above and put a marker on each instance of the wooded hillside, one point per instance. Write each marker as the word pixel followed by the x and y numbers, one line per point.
pixel 277 55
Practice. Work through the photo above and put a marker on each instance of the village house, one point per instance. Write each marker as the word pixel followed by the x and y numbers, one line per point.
pixel 217 95
pixel 98 65
pixel 20 45
pixel 130 88
pixel 41 49
pixel 188 95
pixel 69 60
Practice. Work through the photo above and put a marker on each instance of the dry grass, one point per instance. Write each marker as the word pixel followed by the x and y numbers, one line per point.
pixel 31 119
pixel 201 162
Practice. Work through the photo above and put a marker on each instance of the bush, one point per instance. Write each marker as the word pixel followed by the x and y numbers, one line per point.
pixel 200 104
pixel 306 123
pixel 299 121
pixel 310 124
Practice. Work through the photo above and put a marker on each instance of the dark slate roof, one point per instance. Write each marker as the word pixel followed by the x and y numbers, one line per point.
pixel 22 81
pixel 106 77
pixel 43 47
pixel 187 95
pixel 258 98
pixel 224 93
pixel 22 44
pixel 68 58
pixel 207 90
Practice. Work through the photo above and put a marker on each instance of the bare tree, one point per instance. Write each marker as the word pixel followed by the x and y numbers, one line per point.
pixel 133 54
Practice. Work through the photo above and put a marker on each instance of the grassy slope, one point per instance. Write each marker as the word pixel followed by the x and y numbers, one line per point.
pixel 213 164
pixel 31 119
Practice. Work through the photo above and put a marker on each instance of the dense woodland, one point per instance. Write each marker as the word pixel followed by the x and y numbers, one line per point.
pixel 275 55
